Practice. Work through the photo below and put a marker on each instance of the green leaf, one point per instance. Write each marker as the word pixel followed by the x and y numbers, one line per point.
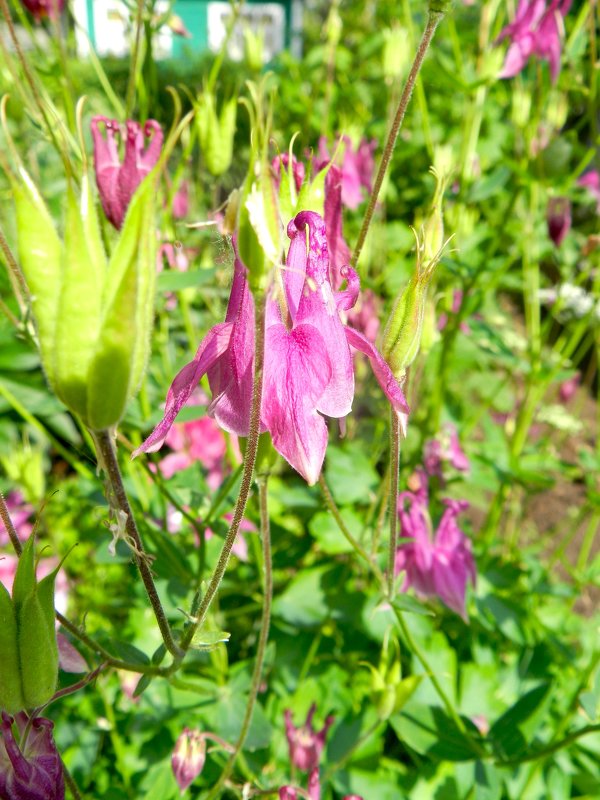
pixel 303 602
pixel 488 784
pixel 403 602
pixel 209 640
pixel 510 733
pixel 430 731
pixel 350 474
pixel 327 532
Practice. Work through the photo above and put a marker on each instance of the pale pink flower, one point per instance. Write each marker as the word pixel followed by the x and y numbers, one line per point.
pixel 181 201
pixel 568 388
pixel 364 317
pixel 591 181
pixel 445 449
pixel 189 756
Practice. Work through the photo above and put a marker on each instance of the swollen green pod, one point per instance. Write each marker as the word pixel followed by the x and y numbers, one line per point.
pixel 11 695
pixel 38 652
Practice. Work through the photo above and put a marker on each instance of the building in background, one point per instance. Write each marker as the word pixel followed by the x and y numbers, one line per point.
pixel 106 26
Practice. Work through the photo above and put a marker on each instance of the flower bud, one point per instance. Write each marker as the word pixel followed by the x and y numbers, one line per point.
pixel 402 334
pixel 389 690
pixel 558 217
pixel 216 132
pixel 189 755
pixel 32 770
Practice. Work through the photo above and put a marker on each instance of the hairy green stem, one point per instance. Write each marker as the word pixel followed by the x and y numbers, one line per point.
pixel 248 470
pixel 335 513
pixel 107 455
pixel 433 20
pixel 263 638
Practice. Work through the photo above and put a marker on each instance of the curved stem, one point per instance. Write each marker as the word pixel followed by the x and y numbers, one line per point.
pixel 433 21
pixel 394 479
pixel 265 622
pixel 335 513
pixel 249 461
pixel 108 458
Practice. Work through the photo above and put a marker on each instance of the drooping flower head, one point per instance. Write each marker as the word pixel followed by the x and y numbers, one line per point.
pixel 435 565
pixel 357 168
pixel 116 180
pixel 305 744
pixel 30 770
pixel 308 369
pixel 189 755
pixel 44 8
pixel 558 217
pixel 537 29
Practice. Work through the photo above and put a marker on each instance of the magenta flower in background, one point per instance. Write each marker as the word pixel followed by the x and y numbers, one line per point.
pixel 591 181
pixel 197 440
pixel 364 317
pixel 181 201
pixel 118 181
pixel 282 162
pixel 308 369
pixel 44 8
pixel 33 770
pixel 20 513
pixel 189 755
pixel 536 30
pixel 305 744
pixel 445 449
pixel 357 169
pixel 558 217
pixel 434 565
pixel 568 388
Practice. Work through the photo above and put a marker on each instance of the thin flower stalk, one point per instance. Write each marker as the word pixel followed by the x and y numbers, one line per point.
pixel 108 457
pixel 247 473
pixel 433 20
pixel 265 534
pixel 394 471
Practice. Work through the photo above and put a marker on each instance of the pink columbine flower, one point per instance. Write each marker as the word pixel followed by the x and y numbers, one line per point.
pixel 44 8
pixel 568 388
pixel 357 167
pixel 306 744
pixel 537 29
pixel 558 217
pixel 118 181
pixel 30 770
pixel 591 181
pixel 198 440
pixel 20 513
pixel 189 755
pixel 439 565
pixel 308 370
pixel 445 449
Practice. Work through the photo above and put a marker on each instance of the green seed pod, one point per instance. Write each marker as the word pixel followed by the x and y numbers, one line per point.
pixel 216 132
pixel 11 695
pixel 38 652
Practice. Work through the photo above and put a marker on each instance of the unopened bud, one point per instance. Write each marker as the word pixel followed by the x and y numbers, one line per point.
pixel 189 755
pixel 216 132
pixel 402 334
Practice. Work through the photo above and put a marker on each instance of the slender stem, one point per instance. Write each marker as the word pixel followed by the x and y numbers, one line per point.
pixel 552 748
pixel 70 781
pixel 433 21
pixel 265 622
pixel 108 458
pixel 249 461
pixel 335 513
pixel 10 528
pixel 394 479
pixel 414 648
pixel 28 74
pixel 133 67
